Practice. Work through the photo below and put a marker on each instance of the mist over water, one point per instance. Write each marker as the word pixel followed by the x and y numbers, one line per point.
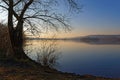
pixel 83 58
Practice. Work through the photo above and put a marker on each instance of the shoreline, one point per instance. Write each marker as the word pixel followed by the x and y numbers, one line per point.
pixel 13 70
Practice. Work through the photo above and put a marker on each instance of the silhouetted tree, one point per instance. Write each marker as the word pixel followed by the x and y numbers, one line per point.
pixel 29 12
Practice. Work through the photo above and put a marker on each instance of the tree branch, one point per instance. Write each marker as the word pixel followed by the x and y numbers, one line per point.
pixel 16 15
pixel 5 2
pixel 26 7
pixel 17 2
pixel 55 18
pixel 4 7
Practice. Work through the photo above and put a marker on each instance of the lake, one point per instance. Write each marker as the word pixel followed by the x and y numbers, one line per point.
pixel 80 57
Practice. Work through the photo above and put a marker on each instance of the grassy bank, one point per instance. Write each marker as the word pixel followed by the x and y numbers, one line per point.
pixel 23 70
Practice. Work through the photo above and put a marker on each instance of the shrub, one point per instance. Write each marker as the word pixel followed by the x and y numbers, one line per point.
pixel 3 37
pixel 48 54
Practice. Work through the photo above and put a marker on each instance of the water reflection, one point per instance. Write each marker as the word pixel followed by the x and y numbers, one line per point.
pixel 82 58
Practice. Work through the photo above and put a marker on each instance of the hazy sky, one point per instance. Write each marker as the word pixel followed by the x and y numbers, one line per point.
pixel 97 17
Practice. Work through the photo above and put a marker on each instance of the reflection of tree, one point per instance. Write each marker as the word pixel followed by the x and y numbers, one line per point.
pixel 47 52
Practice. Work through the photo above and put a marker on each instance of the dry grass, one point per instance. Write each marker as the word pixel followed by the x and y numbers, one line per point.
pixel 3 37
pixel 4 44
pixel 40 73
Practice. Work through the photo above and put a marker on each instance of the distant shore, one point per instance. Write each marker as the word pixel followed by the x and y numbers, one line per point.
pixel 91 39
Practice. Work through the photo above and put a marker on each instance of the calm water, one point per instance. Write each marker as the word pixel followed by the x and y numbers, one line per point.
pixel 82 58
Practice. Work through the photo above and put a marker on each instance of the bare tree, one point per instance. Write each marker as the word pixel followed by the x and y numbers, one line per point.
pixel 31 13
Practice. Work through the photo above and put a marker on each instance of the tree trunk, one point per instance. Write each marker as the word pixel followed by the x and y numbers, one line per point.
pixel 18 41
pixel 16 37
pixel 17 44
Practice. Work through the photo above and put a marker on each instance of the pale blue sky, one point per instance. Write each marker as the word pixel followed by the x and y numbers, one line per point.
pixel 97 17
